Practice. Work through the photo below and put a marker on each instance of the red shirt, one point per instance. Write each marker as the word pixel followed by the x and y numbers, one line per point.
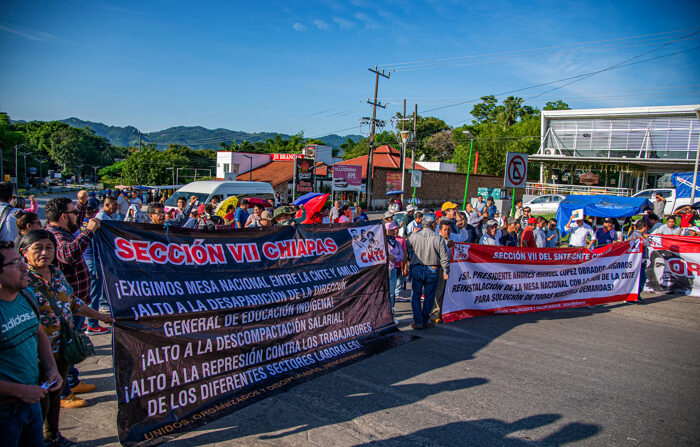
pixel 528 239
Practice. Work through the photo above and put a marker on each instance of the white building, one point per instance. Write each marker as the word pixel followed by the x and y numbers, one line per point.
pixel 238 162
pixel 438 166
pixel 630 147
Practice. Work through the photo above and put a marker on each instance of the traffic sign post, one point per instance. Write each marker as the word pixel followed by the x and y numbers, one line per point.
pixel 516 173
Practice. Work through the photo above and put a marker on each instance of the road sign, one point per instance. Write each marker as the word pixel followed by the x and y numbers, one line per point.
pixel 416 178
pixel 516 170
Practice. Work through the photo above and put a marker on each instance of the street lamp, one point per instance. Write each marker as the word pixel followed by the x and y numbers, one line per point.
pixel 469 165
pixel 695 172
pixel 405 135
pixel 41 178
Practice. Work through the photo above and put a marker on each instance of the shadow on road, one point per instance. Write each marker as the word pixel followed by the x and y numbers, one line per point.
pixel 377 385
pixel 491 432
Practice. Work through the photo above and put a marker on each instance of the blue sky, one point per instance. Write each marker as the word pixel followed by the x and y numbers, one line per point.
pixel 293 66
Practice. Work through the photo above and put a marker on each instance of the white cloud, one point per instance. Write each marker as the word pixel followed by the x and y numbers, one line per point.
pixel 29 34
pixel 298 26
pixel 367 20
pixel 343 23
pixel 320 24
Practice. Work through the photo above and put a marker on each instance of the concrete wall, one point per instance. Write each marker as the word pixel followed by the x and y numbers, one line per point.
pixel 436 187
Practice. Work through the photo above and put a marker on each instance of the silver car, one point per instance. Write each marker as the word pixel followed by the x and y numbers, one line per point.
pixel 547 204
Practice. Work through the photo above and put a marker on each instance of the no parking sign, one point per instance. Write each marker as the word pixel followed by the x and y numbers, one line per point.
pixel 516 170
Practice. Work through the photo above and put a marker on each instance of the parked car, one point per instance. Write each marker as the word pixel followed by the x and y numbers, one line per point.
pixel 547 204
pixel 673 203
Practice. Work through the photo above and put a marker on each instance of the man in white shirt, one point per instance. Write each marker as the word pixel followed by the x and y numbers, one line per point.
pixel 109 209
pixel 335 212
pixel 480 205
pixel 135 199
pixel 579 232
pixel 488 238
pixel 670 229
pixel 123 203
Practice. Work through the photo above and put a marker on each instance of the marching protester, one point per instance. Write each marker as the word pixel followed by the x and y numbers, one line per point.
pixel 156 214
pixel 335 212
pixel 123 202
pixel 181 202
pixel 518 211
pixel 525 217
pixel 489 235
pixel 480 206
pixel 26 222
pixel 284 215
pixel 62 224
pixel 640 233
pixel 207 219
pixel 527 239
pixel 606 234
pixel 669 229
pixel 490 208
pixel 254 219
pixel 509 238
pixel 553 235
pixel 659 204
pixel 8 222
pixel 57 304
pixel 444 230
pixel 230 214
pixel 134 214
pixel 428 252
pixel 192 221
pixel 135 198
pixel 539 232
pixel 415 224
pixel 24 347
pixel 241 215
pixel 393 207
pixel 345 214
pixel 579 232
pixel 396 257
pixel 360 215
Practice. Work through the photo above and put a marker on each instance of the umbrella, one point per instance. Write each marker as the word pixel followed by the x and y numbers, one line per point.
pixel 259 201
pixel 395 192
pixel 306 197
pixel 313 207
pixel 221 211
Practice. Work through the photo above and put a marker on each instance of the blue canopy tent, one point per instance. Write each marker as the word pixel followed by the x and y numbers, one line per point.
pixel 683 181
pixel 600 206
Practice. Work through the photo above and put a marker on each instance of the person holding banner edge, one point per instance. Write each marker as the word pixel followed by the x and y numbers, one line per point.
pixel 640 233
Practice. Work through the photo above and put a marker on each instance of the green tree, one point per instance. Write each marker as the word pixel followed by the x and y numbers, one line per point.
pixel 556 105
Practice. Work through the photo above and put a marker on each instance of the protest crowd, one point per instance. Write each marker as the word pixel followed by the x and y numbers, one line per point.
pixel 51 294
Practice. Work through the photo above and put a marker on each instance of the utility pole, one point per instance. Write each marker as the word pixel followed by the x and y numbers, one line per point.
pixel 403 155
pixel 413 147
pixel 370 155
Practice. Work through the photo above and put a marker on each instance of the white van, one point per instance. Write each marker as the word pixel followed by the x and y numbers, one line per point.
pixel 205 190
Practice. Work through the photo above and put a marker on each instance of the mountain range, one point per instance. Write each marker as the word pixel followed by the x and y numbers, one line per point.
pixel 196 137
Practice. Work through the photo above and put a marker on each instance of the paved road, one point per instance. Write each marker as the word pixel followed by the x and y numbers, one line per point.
pixel 613 375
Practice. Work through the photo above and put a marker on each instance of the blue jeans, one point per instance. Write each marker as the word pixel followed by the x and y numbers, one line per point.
pixel 21 424
pixel 392 287
pixel 423 282
pixel 400 283
pixel 642 278
pixel 95 293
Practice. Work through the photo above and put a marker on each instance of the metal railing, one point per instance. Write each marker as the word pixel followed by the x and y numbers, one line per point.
pixel 553 188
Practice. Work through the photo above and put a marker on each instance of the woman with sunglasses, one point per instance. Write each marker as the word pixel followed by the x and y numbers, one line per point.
pixel 51 287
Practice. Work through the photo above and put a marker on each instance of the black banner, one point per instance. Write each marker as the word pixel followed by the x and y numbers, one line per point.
pixel 211 321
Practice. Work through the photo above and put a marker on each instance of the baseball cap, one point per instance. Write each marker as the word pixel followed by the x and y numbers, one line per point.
pixel 532 220
pixel 608 220
pixel 448 206
pixel 390 226
pixel 493 223
pixel 267 215
pixel 428 219
pixel 388 214
pixel 410 208
pixel 284 210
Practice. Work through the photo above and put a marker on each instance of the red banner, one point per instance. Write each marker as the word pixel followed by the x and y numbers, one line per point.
pixel 503 280
pixel 674 265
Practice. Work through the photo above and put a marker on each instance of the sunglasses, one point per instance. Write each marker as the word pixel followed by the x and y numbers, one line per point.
pixel 74 212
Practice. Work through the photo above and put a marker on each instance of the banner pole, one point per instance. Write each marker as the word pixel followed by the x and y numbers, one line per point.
pixel 469 167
